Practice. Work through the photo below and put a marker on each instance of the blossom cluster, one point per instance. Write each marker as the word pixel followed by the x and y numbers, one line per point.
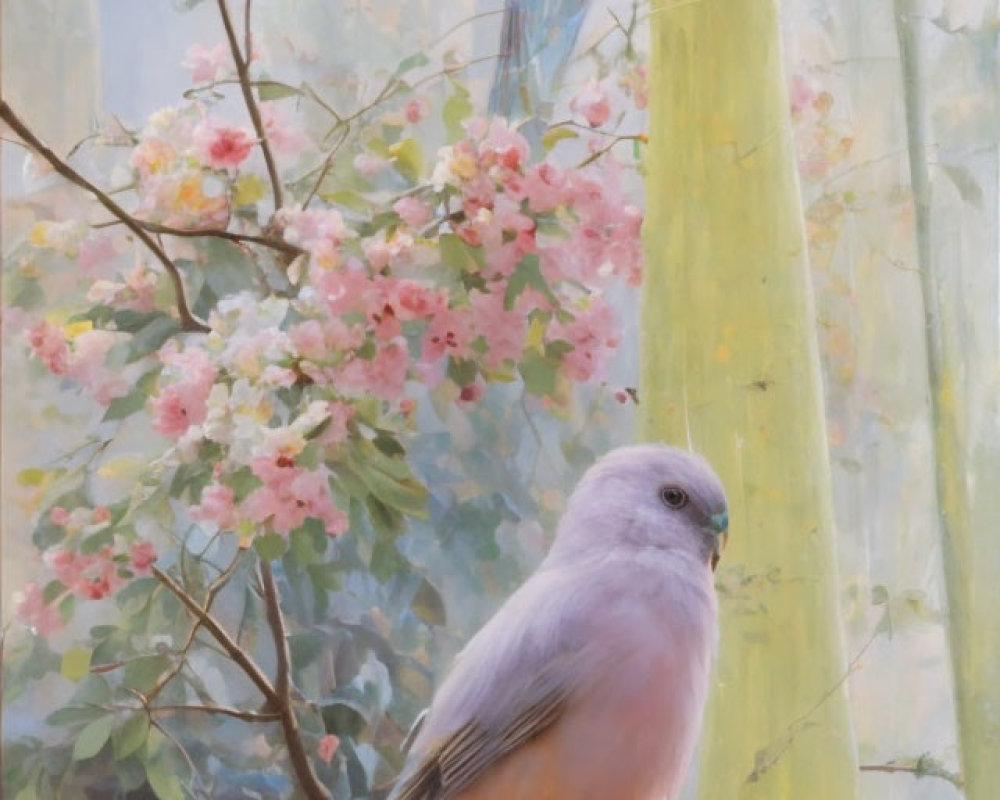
pixel 487 264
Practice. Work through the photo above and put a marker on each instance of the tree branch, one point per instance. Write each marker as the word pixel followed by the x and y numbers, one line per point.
pixel 188 320
pixel 194 233
pixel 922 767
pixel 227 711
pixel 243 73
pixel 297 755
pixel 234 651
pixel 213 591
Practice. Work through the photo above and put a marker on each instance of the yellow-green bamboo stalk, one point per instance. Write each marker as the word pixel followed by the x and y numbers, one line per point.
pixel 730 364
pixel 966 472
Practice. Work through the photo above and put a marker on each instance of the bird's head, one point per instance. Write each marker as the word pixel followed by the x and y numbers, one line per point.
pixel 648 496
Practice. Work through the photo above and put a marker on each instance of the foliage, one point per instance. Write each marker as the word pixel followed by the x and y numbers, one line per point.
pixel 306 298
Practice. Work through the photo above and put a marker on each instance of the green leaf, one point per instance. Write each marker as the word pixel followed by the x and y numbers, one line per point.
pixel 308 542
pixel 135 400
pixel 968 187
pixel 428 605
pixel 386 560
pixel 92 738
pixel 142 673
pixel 275 90
pixel 411 62
pixel 128 738
pixel 75 664
pixel 456 254
pixel 306 647
pixel 553 136
pixel 457 108
pixel 408 157
pixel 31 476
pixel 528 273
pixel 271 546
pixel 242 482
pixel 151 336
pixel 345 198
pixel 539 373
pixel 462 371
pixel 25 292
pixel 74 715
pixel 162 780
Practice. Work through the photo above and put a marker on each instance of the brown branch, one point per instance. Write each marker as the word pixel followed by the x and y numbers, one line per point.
pixel 194 233
pixel 213 591
pixel 246 716
pixel 922 767
pixel 188 320
pixel 243 73
pixel 302 766
pixel 233 650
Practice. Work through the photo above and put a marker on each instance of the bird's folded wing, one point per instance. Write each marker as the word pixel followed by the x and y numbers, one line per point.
pixel 456 762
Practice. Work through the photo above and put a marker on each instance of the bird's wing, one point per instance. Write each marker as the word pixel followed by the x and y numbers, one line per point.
pixel 510 684
pixel 456 761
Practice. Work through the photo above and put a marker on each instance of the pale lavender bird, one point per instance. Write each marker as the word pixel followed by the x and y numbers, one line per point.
pixel 589 682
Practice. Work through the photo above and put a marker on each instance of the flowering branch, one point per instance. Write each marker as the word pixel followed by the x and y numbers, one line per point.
pixel 188 320
pixel 243 72
pixel 922 767
pixel 246 716
pixel 308 779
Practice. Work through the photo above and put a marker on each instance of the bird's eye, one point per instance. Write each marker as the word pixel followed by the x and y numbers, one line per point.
pixel 673 497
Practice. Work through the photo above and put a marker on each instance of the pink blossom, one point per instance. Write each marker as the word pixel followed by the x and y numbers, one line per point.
pixel 416 110
pixel 96 250
pixel 152 156
pixel 370 165
pixel 592 103
pixel 412 210
pixel 282 133
pixel 179 200
pixel 273 375
pixel 142 556
pixel 320 231
pixel 593 336
pixel 58 516
pixel 91 576
pixel 448 334
pixel 336 431
pixel 503 331
pixel 472 393
pixel 501 146
pixel 36 614
pixel 217 506
pixel 100 515
pixel 545 187
pixel 327 748
pixel 207 65
pixel 50 346
pixel 418 302
pixel 383 376
pixel 801 94
pixel 290 495
pixel 221 146
pixel 182 404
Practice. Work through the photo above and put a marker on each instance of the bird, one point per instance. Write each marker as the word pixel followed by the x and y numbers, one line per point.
pixel 590 681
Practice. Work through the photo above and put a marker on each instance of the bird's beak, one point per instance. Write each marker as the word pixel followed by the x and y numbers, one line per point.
pixel 720 524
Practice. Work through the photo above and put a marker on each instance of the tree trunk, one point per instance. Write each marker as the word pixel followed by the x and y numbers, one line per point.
pixel 967 464
pixel 730 366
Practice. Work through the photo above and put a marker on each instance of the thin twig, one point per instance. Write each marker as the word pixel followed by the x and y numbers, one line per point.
pixel 235 652
pixel 242 70
pixel 302 766
pixel 637 137
pixel 325 168
pixel 188 320
pixel 213 591
pixel 217 233
pixel 922 767
pixel 227 711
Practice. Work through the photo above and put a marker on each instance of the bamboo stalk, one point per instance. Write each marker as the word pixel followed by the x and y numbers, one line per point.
pixel 730 366
pixel 968 519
